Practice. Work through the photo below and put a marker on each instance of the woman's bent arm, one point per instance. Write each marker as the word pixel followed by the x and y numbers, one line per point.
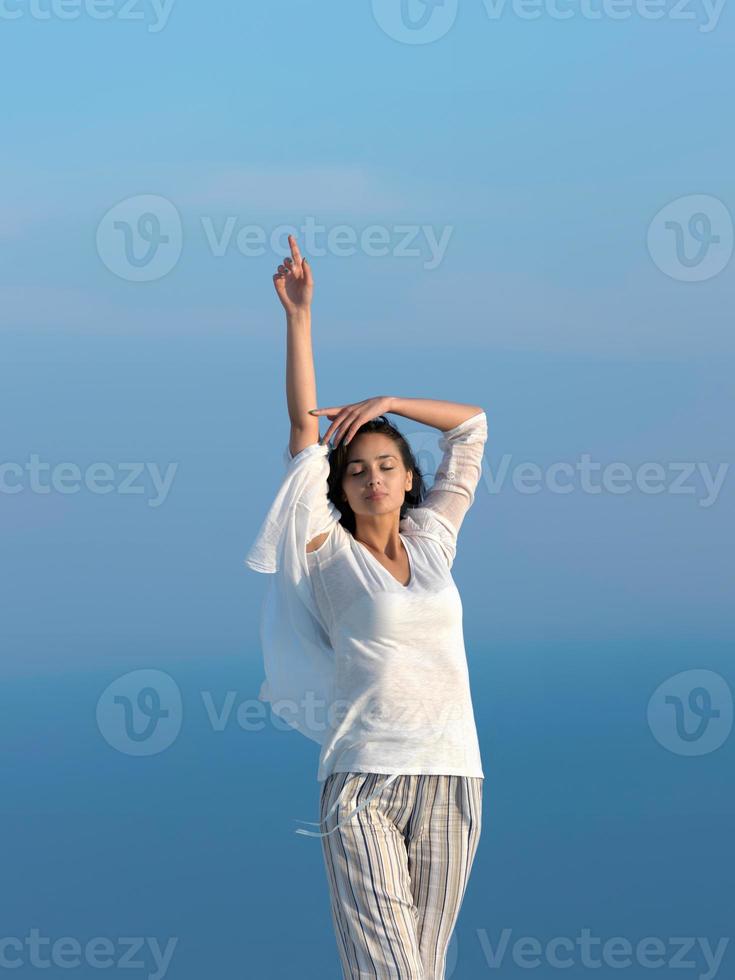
pixel 429 411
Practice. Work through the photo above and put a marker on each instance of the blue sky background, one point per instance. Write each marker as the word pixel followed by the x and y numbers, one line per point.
pixel 547 148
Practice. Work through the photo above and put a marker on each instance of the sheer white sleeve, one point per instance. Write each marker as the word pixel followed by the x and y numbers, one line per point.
pixel 300 510
pixel 297 653
pixel 444 507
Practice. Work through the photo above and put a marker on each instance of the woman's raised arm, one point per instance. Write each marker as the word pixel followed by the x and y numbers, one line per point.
pixel 294 285
pixel 442 415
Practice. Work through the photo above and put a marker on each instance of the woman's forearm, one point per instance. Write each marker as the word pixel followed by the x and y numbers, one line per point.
pixel 300 375
pixel 429 411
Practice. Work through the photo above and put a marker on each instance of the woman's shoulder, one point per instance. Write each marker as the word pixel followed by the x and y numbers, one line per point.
pixel 327 544
pixel 431 530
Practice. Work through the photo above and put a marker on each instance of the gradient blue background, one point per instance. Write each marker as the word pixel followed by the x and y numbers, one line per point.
pixel 548 146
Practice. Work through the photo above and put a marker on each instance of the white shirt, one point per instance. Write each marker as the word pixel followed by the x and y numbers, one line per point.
pixel 372 670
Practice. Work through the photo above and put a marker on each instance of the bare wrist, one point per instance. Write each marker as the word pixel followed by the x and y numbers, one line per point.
pixel 299 316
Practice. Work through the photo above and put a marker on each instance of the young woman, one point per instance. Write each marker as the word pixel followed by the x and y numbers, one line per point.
pixel 364 653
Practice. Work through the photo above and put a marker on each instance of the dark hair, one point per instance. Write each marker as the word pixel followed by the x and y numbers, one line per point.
pixel 338 464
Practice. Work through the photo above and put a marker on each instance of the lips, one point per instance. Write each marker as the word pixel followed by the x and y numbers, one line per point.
pixel 375 496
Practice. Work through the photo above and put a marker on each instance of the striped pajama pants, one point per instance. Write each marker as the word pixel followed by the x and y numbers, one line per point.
pixel 398 869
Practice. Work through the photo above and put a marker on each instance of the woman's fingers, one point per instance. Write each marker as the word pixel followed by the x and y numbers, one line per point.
pixel 306 272
pixel 327 411
pixel 341 424
pixel 294 249
pixel 351 429
pixel 351 426
pixel 331 428
pixel 293 279
pixel 300 266
pixel 346 418
pixel 293 261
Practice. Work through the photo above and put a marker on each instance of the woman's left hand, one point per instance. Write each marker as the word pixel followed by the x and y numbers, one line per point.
pixel 349 418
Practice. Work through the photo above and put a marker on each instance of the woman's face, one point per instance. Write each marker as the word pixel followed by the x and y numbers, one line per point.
pixel 375 479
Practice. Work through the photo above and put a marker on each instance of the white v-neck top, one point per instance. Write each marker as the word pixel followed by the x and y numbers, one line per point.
pixel 373 670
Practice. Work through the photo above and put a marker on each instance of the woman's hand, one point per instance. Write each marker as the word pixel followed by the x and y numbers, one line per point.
pixel 294 282
pixel 349 418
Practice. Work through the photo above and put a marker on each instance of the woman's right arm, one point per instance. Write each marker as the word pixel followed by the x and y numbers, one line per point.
pixel 294 285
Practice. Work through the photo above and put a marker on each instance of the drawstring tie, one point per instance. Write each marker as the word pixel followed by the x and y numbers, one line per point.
pixel 312 833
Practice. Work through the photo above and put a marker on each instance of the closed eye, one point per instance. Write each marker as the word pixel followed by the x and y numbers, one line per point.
pixel 358 472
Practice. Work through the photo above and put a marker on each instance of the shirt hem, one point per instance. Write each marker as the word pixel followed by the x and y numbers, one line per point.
pixel 408 771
